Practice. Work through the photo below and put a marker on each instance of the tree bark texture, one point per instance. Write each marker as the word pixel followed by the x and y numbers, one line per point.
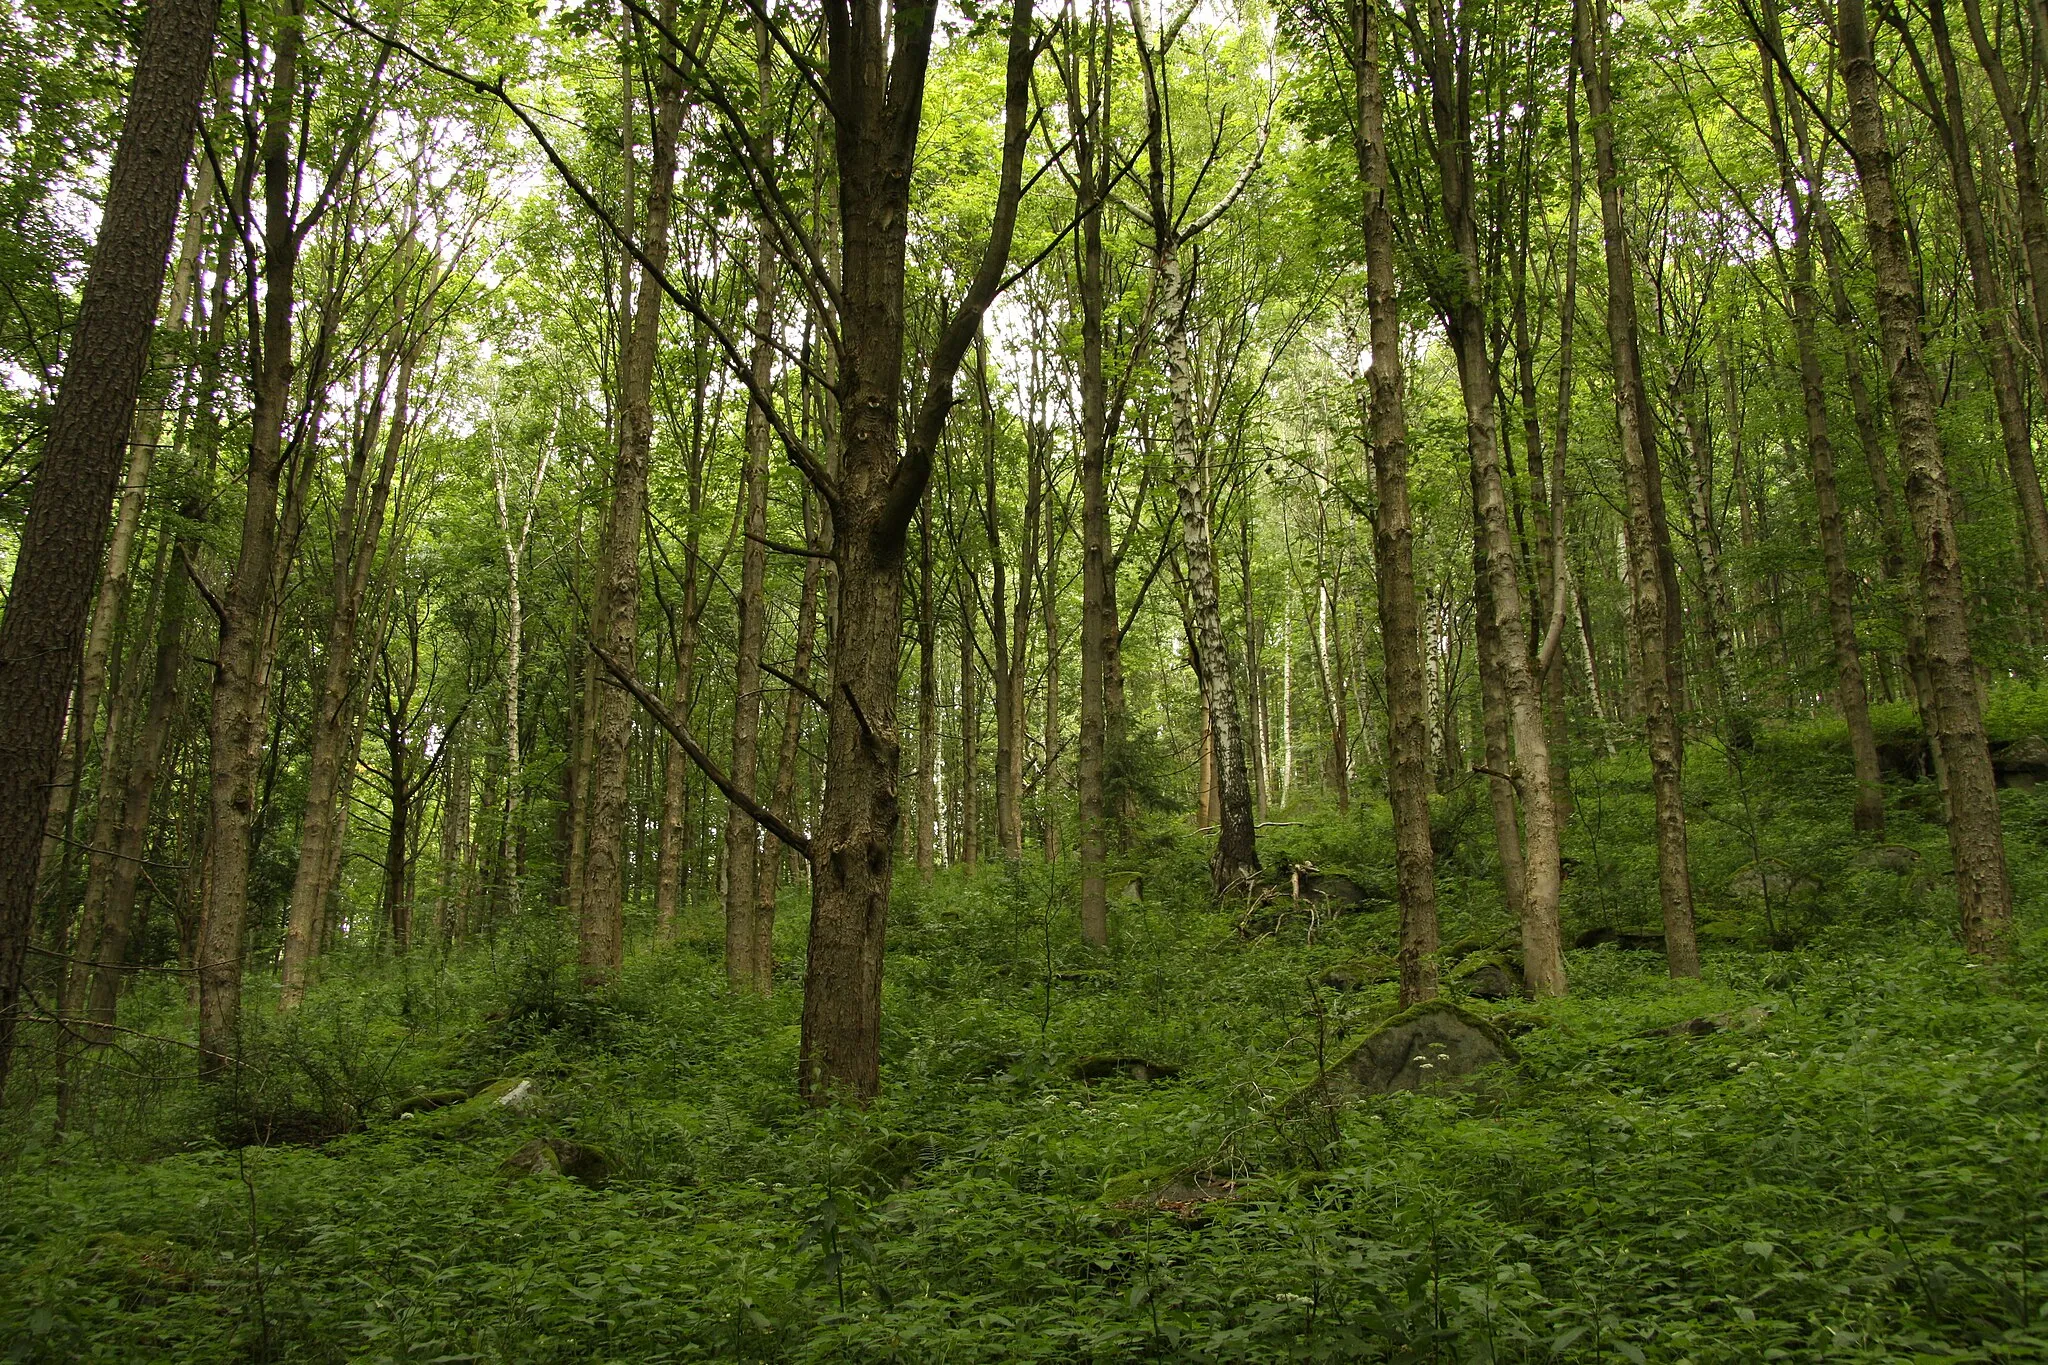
pixel 58 561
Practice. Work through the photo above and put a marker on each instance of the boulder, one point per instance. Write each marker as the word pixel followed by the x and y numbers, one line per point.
pixel 1362 972
pixel 1628 940
pixel 1897 859
pixel 1494 976
pixel 427 1101
pixel 1333 890
pixel 1905 757
pixel 2022 763
pixel 1130 1068
pixel 1770 879
pixel 558 1156
pixel 514 1093
pixel 1429 1045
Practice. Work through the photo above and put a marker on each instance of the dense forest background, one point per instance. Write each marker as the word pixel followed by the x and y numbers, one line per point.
pixel 908 640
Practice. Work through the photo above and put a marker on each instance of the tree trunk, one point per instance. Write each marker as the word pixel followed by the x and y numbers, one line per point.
pixel 742 839
pixel 1820 454
pixel 615 605
pixel 774 858
pixel 1407 704
pixel 927 700
pixel 1995 316
pixel 969 842
pixel 358 526
pixel 1654 606
pixel 1975 838
pixel 58 560
pixel 114 582
pixel 240 692
pixel 1706 533
pixel 1088 117
pixel 1517 742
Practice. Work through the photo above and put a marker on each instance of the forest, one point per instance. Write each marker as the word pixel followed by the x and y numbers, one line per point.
pixel 1065 680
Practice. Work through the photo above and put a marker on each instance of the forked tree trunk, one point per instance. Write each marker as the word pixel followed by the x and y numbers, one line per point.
pixel 876 79
pixel 240 693
pixel 1982 892
pixel 1654 606
pixel 1235 863
pixel 359 524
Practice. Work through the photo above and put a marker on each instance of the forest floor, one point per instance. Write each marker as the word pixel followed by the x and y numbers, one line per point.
pixel 1852 1168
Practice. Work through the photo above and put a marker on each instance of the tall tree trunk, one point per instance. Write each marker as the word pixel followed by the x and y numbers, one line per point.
pixel 452 898
pixel 1088 114
pixel 969 850
pixel 615 604
pixel 1654 605
pixel 1235 862
pixel 359 526
pixel 58 560
pixel 114 582
pixel 1407 704
pixel 1820 453
pixel 1982 892
pixel 2015 112
pixel 742 839
pixel 1517 743
pixel 876 107
pixel 1048 780
pixel 240 692
pixel 774 858
pixel 1330 673
pixel 1706 532
pixel 1996 319
pixel 927 700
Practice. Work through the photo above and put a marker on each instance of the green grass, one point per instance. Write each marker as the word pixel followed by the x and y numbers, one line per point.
pixel 1860 1176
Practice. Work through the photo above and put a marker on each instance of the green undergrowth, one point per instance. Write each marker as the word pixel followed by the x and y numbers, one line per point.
pixel 1851 1169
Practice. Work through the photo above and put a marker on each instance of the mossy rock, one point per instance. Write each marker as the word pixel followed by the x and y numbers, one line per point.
pixel 1489 976
pixel 427 1101
pixel 1431 1044
pixel 578 1161
pixel 1375 970
pixel 499 1099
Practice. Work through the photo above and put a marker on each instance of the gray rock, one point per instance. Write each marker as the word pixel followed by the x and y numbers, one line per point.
pixel 1896 859
pixel 1363 972
pixel 1429 1045
pixel 1492 978
pixel 1628 940
pixel 2022 763
pixel 1770 879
